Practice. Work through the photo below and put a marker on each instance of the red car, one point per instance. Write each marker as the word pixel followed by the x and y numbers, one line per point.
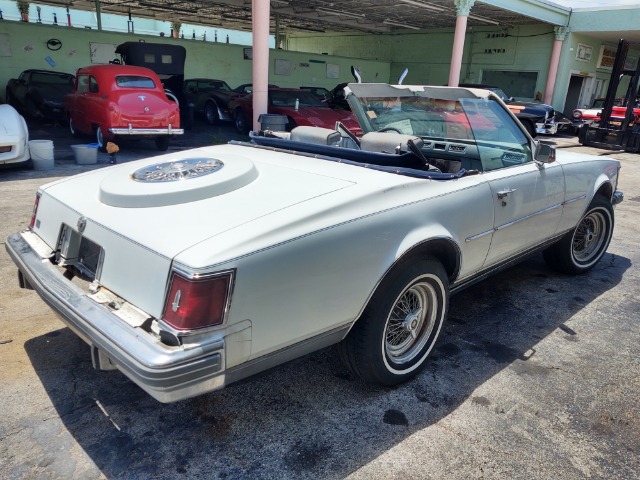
pixel 300 106
pixel 592 115
pixel 111 101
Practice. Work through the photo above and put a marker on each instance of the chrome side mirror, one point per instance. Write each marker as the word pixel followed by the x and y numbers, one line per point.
pixel 545 153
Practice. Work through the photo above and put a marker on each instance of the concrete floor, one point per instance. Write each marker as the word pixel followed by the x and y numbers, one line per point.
pixel 537 375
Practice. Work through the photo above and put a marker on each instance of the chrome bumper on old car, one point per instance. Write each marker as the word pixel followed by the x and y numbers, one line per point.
pixel 617 197
pixel 167 373
pixel 146 131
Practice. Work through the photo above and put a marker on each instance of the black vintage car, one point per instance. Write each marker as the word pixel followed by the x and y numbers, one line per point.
pixel 168 62
pixel 210 98
pixel 39 94
pixel 536 117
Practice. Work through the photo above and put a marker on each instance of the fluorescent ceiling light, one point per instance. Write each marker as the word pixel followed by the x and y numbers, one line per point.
pixel 423 5
pixel 485 20
pixel 329 11
pixel 398 24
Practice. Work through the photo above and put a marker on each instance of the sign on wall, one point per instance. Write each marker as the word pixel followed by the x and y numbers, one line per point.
pixel 333 70
pixel 584 52
pixel 282 67
pixel 607 57
pixel 102 53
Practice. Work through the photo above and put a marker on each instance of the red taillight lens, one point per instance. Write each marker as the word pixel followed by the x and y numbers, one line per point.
pixel 194 303
pixel 35 211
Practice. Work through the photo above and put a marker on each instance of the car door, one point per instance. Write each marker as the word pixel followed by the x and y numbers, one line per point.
pixel 20 91
pixel 527 196
pixel 527 205
pixel 80 104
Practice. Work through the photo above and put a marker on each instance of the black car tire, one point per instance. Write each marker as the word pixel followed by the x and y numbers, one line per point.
pixel 74 132
pixel 102 144
pixel 162 143
pixel 211 113
pixel 529 127
pixel 395 334
pixel 581 248
pixel 241 122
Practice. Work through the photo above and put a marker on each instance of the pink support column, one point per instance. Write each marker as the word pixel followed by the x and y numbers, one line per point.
pixel 463 7
pixel 561 33
pixel 260 22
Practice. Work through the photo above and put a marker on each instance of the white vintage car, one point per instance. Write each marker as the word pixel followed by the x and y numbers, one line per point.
pixel 202 267
pixel 14 137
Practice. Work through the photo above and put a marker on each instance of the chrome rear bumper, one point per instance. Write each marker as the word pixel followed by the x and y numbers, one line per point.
pixel 166 373
pixel 146 131
pixel 617 197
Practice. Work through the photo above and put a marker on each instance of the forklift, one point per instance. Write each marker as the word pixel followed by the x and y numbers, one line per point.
pixel 622 130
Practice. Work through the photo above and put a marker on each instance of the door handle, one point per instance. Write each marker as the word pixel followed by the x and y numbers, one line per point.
pixel 503 193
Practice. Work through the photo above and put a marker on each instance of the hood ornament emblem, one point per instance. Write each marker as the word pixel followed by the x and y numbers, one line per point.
pixel 82 224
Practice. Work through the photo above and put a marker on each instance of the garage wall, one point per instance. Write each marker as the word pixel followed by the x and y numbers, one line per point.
pixel 428 54
pixel 591 69
pixel 24 46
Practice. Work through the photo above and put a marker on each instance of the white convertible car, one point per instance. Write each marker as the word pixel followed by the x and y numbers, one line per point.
pixel 193 270
pixel 14 137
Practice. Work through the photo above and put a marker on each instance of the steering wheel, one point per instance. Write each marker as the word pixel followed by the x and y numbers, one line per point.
pixel 390 129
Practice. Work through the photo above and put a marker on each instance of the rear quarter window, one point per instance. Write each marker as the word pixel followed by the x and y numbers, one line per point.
pixel 134 81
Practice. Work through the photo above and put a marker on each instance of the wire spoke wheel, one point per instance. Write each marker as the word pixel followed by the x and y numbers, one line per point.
pixel 398 329
pixel 410 323
pixel 581 248
pixel 589 236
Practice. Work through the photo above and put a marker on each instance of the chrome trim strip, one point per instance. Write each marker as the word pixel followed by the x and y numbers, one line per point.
pixel 465 282
pixel 286 354
pixel 166 373
pixel 146 131
pixel 581 197
pixel 478 235
pixel 527 217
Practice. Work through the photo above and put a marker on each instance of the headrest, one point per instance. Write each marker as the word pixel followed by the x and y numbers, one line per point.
pixel 388 142
pixel 316 135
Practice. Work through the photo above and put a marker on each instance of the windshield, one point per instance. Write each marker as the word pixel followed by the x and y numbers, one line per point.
pixel 287 98
pixel 499 92
pixel 51 78
pixel 213 85
pixel 461 119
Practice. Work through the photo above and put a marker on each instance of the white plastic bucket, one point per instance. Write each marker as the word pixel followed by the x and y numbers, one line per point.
pixel 41 154
pixel 85 154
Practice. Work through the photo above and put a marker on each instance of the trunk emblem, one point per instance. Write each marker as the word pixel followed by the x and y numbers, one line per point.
pixel 177 170
pixel 82 224
pixel 142 97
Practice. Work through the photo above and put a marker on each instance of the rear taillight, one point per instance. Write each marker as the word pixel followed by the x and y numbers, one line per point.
pixel 35 211
pixel 199 302
pixel 577 114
